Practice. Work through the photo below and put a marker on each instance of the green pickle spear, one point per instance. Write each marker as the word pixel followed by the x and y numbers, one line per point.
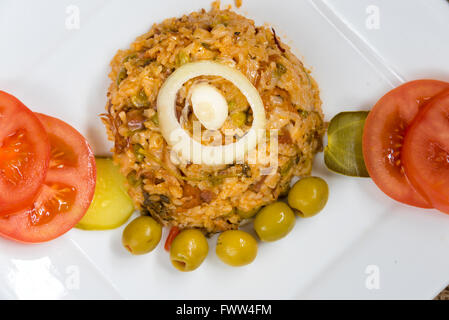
pixel 111 206
pixel 343 154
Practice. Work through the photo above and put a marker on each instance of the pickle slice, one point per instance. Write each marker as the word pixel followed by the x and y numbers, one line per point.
pixel 111 206
pixel 343 154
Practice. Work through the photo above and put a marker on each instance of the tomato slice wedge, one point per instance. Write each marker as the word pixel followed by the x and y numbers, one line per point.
pixel 24 155
pixel 426 152
pixel 383 136
pixel 66 193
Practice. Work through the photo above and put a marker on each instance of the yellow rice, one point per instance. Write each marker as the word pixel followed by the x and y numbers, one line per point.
pixel 197 196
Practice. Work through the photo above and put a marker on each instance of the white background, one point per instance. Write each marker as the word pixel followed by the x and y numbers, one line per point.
pixel 64 73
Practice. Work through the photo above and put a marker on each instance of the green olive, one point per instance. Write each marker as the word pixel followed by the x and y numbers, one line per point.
pixel 247 214
pixel 236 248
pixel 308 196
pixel 188 250
pixel 142 235
pixel 274 221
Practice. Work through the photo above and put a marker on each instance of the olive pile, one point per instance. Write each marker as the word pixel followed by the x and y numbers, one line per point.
pixel 235 247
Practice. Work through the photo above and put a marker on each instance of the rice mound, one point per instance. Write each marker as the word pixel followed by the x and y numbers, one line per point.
pixel 210 197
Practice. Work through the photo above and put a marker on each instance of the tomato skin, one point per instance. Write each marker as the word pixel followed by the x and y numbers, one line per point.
pixel 66 193
pixel 383 135
pixel 426 152
pixel 24 155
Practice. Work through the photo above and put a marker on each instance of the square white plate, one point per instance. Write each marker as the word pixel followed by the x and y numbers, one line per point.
pixel 363 245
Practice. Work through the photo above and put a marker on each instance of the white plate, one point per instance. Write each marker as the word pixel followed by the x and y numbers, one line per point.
pixel 360 236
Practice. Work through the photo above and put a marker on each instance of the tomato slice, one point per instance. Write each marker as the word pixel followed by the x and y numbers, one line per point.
pixel 66 193
pixel 24 155
pixel 383 137
pixel 426 152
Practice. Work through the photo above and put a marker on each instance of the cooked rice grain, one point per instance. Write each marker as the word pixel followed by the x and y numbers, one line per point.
pixel 196 196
